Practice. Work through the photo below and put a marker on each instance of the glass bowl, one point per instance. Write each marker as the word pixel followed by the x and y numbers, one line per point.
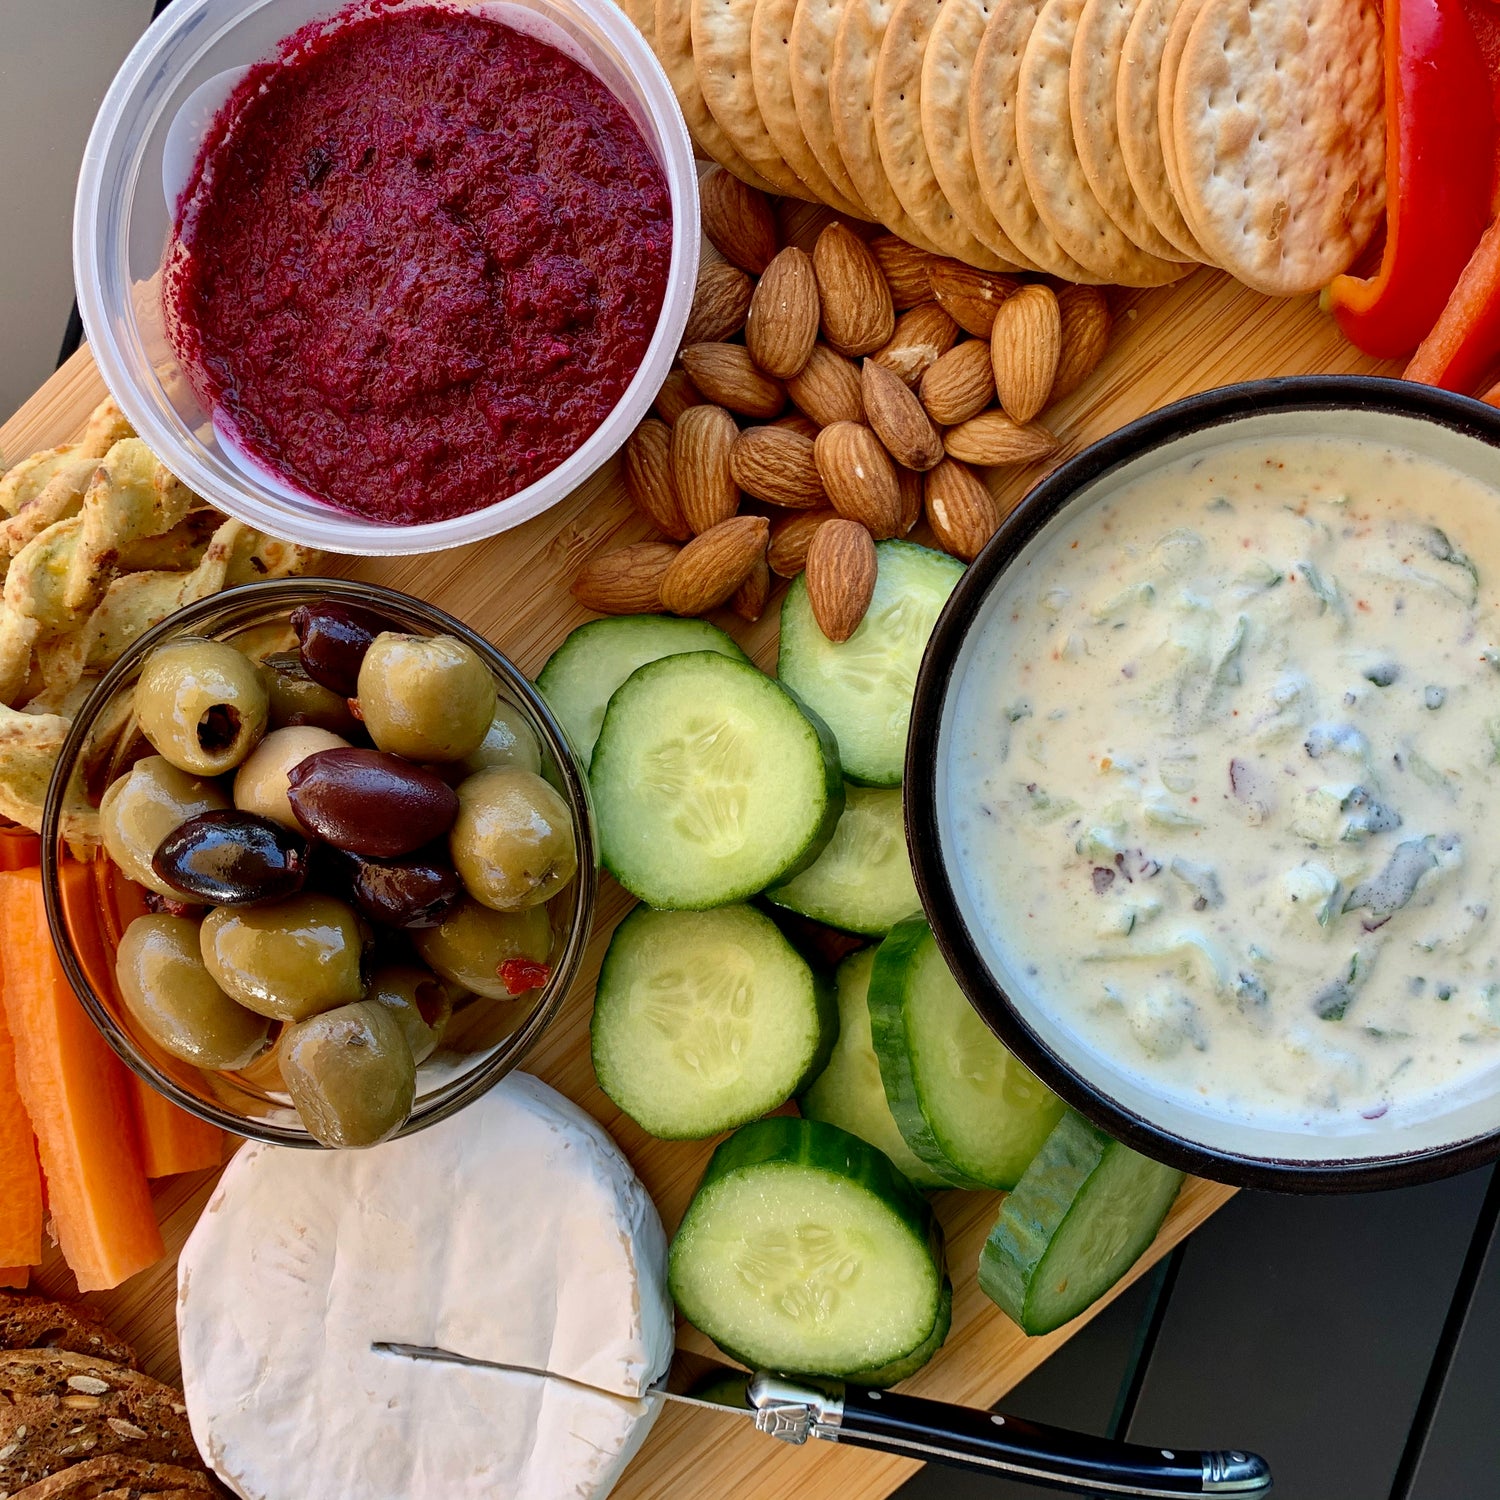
pixel 90 903
pixel 137 159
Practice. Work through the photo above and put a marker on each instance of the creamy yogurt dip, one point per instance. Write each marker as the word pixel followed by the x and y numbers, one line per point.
pixel 1225 779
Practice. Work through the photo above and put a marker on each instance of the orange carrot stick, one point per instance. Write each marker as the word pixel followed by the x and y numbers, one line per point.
pixel 172 1140
pixel 15 1277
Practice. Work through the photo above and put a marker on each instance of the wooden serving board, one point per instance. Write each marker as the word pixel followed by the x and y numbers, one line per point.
pixel 1206 331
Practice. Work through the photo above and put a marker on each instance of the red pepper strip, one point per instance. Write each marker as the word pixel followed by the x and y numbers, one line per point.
pixel 1440 163
pixel 1464 346
pixel 520 974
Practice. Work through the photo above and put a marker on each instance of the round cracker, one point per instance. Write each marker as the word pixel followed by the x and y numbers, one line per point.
pixel 992 138
pixel 851 90
pixel 947 76
pixel 1280 135
pixel 770 70
pixel 1093 80
pixel 1044 136
pixel 814 28
pixel 672 41
pixel 1179 25
pixel 721 57
pixel 642 15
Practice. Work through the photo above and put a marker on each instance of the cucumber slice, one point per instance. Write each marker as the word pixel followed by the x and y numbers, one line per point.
pixel 1080 1217
pixel 862 881
pixel 863 687
pixel 704 1020
pixel 848 1092
pixel 582 674
pixel 900 1369
pixel 968 1108
pixel 710 782
pixel 805 1250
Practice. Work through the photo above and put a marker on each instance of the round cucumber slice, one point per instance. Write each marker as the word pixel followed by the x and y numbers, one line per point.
pixel 902 1369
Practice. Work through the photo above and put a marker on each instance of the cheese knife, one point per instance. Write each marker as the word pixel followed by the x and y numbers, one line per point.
pixel 796 1408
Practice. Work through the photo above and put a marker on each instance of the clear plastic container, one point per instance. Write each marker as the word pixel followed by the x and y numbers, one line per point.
pixel 150 120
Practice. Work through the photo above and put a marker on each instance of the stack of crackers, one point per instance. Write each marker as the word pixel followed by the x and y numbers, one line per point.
pixel 1099 141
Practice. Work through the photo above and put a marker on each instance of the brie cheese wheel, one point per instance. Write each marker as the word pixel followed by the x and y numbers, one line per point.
pixel 514 1232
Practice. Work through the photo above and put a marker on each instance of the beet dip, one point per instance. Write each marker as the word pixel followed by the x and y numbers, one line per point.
pixel 420 258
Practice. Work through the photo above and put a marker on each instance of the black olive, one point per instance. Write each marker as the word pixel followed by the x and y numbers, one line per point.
pixel 370 803
pixel 413 892
pixel 232 858
pixel 333 641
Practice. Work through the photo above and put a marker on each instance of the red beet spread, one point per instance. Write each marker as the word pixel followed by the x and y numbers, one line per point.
pixel 420 259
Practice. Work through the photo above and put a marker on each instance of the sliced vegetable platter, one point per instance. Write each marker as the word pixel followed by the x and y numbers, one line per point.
pixel 1201 333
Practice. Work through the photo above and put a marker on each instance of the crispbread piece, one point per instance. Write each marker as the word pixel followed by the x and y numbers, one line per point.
pixel 815 24
pixel 112 1477
pixel 28 1322
pixel 1179 28
pixel 642 15
pixel 1279 128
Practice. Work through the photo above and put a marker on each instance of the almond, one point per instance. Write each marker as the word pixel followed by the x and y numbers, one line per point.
pixel 827 388
pixel 791 536
pixel 970 297
pixel 922 337
pixel 627 581
pixel 721 301
pixel 907 270
pixel 782 325
pixel 648 478
pixel 859 477
pixel 992 438
pixel 961 511
pixel 858 314
pixel 909 482
pixel 776 465
pixel 959 384
pixel 1085 336
pixel 841 569
pixel 1025 347
pixel 726 374
pixel 749 600
pixel 738 220
pixel 701 471
pixel 677 393
pixel 898 418
pixel 796 422
pixel 712 566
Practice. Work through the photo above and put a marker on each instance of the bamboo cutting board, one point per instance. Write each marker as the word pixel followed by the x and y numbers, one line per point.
pixel 1206 331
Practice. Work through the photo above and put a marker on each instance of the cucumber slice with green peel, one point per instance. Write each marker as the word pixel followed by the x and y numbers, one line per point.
pixel 805 1250
pixel 1080 1217
pixel 704 1020
pixel 863 687
pixel 965 1106
pixel 908 1365
pixel 862 881
pixel 848 1092
pixel 710 782
pixel 582 674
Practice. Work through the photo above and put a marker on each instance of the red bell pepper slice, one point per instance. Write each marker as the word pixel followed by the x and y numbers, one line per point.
pixel 1440 165
pixel 1464 346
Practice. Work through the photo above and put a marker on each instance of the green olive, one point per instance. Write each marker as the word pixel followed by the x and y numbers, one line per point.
pixel 350 1073
pixel 296 699
pixel 202 704
pixel 468 946
pixel 260 785
pixel 289 959
pixel 419 1000
pixel 509 741
pixel 174 998
pixel 425 697
pixel 142 807
pixel 512 843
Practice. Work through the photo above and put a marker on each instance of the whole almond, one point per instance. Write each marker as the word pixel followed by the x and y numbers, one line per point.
pixel 782 325
pixel 841 571
pixel 677 393
pixel 627 581
pixel 712 566
pixel 776 465
pixel 721 301
pixel 726 374
pixel 907 270
pixel 898 418
pixel 648 478
pixel 909 482
pixel 858 314
pixel 749 600
pixel 796 422
pixel 791 536
pixel 827 388
pixel 961 511
pixel 738 220
pixel 923 335
pixel 701 472
pixel 971 297
pixel 1025 347
pixel 959 384
pixel 992 438
pixel 860 479
pixel 1085 336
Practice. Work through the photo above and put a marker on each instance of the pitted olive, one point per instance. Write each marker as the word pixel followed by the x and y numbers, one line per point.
pixel 512 843
pixel 419 1000
pixel 142 807
pixel 509 741
pixel 350 1073
pixel 202 704
pixel 425 697
pixel 469 945
pixel 297 700
pixel 260 785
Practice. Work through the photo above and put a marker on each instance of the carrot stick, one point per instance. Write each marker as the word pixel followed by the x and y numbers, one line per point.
pixel 21 1202
pixel 1464 345
pixel 20 849
pixel 172 1140
pixel 16 1277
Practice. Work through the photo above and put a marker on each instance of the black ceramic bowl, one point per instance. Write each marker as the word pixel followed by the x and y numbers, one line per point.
pixel 1465 1131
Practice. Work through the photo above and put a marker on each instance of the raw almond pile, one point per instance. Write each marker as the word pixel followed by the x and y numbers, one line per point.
pixel 871 381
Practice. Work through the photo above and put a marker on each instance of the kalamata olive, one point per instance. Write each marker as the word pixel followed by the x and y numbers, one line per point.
pixel 296 699
pixel 370 803
pixel 260 784
pixel 232 858
pixel 334 639
pixel 416 891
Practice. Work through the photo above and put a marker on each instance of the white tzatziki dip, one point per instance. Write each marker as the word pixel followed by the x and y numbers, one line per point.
pixel 1225 779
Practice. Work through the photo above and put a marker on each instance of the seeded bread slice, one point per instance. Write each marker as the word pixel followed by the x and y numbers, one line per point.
pixel 117 1478
pixel 35 1323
